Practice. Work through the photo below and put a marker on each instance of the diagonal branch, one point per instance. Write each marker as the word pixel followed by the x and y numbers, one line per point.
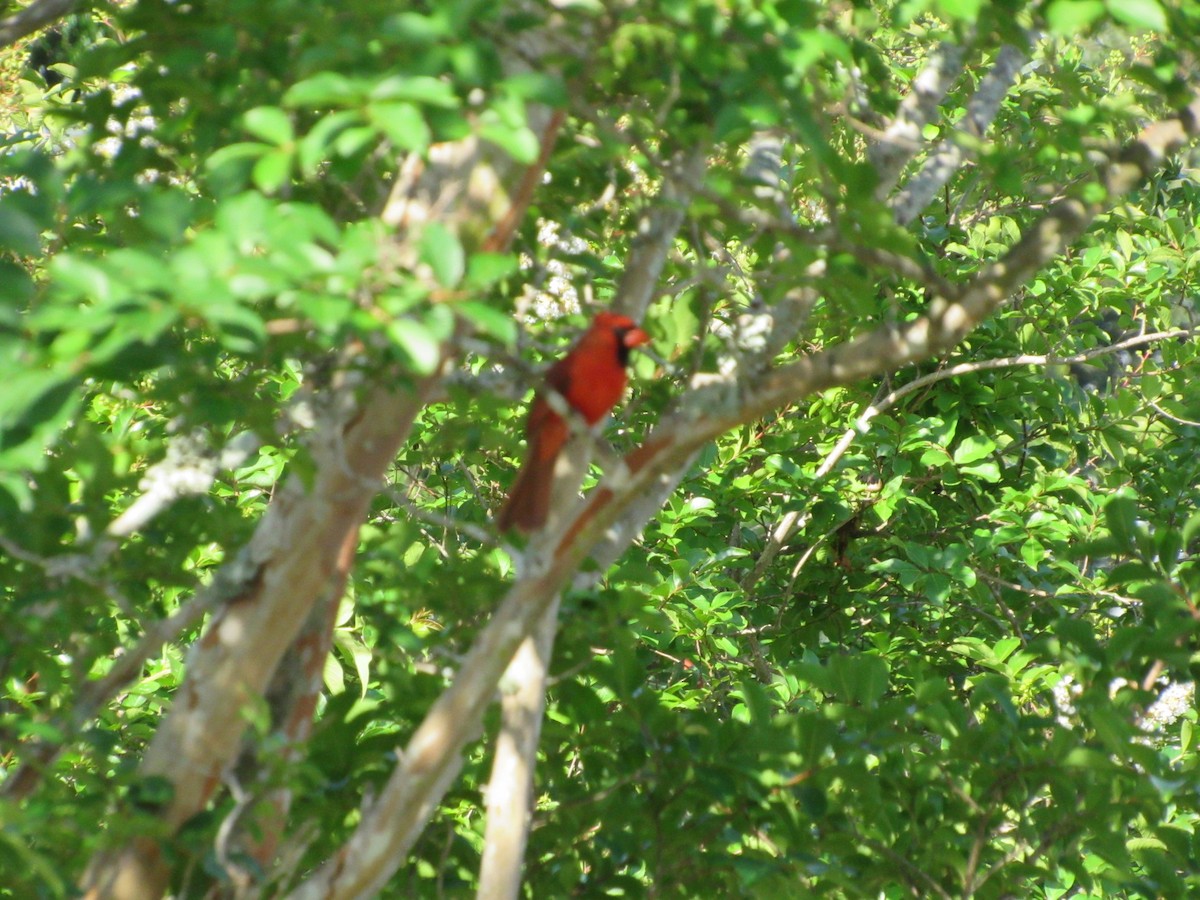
pixel 724 402
pixel 32 18
pixel 901 140
pixel 950 154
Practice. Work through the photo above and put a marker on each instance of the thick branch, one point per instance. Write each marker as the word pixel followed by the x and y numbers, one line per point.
pixel 258 824
pixel 292 557
pixel 723 403
pixel 901 140
pixel 510 788
pixel 32 18
pixel 950 153
pixel 433 756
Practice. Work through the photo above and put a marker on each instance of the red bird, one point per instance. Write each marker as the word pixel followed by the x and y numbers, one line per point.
pixel 591 378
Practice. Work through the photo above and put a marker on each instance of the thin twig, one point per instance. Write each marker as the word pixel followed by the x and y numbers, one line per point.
pixel 1173 418
pixel 966 368
pixel 125 668
pixel 1046 595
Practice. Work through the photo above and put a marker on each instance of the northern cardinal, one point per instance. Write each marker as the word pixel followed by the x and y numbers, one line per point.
pixel 591 379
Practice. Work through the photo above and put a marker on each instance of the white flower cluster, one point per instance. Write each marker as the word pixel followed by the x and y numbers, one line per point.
pixel 555 296
pixel 1175 700
pixel 19 183
pixel 1065 693
pixel 138 126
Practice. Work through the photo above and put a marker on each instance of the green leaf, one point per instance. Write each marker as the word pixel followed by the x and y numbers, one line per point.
pixel 441 251
pixel 19 232
pixel 960 10
pixel 74 276
pixel 403 123
pixel 334 675
pixel 416 343
pixel 504 125
pixel 358 653
pixel 324 89
pixel 987 471
pixel 354 140
pixel 495 323
pixel 168 213
pixel 34 408
pixel 142 326
pixel 420 89
pixel 313 149
pixel 240 329
pixel 1144 14
pixel 1121 514
pixel 1145 842
pixel 273 170
pixel 1069 17
pixel 519 143
pixel 25 855
pixel 417 29
pixel 16 289
pixel 973 448
pixel 1191 529
pixel 538 87
pixel 484 269
pixel 857 678
pixel 232 164
pixel 24 390
pixel 270 123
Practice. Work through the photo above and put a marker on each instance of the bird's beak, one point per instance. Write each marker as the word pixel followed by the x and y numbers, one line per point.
pixel 635 337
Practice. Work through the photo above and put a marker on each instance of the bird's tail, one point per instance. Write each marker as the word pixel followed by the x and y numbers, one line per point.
pixel 528 503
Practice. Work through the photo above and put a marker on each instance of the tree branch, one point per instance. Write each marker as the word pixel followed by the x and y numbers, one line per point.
pixel 187 469
pixel 32 18
pixel 291 698
pixel 293 556
pixel 792 520
pixel 949 155
pixel 724 402
pixel 125 668
pixel 967 368
pixel 901 140
pixel 510 787
pixel 433 755
pixel 511 783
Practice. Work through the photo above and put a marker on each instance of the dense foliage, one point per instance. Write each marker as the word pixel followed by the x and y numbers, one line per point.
pixel 926 634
